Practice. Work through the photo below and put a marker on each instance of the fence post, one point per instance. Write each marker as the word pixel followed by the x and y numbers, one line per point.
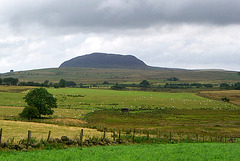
pixel 197 136
pixel 170 136
pixel 147 135
pixel 133 136
pixel 119 135
pixel 29 138
pixel 81 138
pixel 0 136
pixel 114 136
pixel 104 134
pixel 49 134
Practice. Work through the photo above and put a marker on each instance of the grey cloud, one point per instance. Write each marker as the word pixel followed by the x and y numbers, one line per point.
pixel 95 15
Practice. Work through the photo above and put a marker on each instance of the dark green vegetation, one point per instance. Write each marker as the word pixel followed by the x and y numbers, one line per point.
pixel 42 100
pixel 206 151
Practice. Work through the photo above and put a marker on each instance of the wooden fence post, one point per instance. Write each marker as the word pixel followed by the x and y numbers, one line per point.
pixel 114 136
pixel 0 136
pixel 147 135
pixel 29 138
pixel 49 134
pixel 119 135
pixel 133 136
pixel 81 138
pixel 104 134
pixel 170 136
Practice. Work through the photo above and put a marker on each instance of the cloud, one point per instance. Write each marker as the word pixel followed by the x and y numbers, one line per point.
pixel 99 16
pixel 182 33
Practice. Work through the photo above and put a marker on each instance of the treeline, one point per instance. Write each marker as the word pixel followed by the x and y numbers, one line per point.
pixel 46 83
pixel 9 81
pixel 145 84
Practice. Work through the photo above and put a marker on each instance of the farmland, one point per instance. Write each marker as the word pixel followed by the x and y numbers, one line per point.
pixel 196 116
pixel 100 108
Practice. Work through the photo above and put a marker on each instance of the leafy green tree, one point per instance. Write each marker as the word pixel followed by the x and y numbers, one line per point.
pixel 225 85
pixel 62 83
pixel 30 112
pixel 237 86
pixel 42 100
pixel 70 84
pixel 144 83
pixel 1 80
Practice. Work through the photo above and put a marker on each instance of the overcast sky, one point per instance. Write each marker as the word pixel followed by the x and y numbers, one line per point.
pixel 192 34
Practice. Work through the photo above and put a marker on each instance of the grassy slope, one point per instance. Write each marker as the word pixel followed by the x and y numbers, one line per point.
pixel 98 75
pixel 206 151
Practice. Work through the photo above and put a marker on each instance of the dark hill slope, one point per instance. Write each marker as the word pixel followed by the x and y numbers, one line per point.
pixel 103 60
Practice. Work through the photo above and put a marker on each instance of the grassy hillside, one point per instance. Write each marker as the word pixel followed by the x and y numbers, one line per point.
pixel 98 75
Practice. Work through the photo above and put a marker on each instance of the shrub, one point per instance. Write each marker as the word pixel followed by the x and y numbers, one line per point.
pixel 30 112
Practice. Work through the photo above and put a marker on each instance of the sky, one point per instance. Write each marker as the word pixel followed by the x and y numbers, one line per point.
pixel 190 34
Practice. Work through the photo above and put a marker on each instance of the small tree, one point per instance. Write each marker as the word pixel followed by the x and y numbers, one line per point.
pixel 62 83
pixel 30 112
pixel 42 100
pixel 144 83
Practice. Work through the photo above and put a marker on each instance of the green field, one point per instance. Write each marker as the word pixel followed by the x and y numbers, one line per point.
pixel 99 98
pixel 171 152
pixel 149 110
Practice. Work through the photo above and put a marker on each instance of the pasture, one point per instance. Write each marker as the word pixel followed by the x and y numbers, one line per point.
pixel 17 130
pixel 100 108
pixel 171 152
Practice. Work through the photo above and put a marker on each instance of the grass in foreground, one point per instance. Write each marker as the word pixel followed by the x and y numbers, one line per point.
pixel 193 151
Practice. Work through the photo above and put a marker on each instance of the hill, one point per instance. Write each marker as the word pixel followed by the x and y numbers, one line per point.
pixel 104 60
pixel 99 75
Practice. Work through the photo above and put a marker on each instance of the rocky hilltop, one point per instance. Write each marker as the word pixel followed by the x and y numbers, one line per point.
pixel 104 60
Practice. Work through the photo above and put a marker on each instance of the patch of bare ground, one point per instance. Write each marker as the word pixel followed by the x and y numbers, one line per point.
pixel 233 95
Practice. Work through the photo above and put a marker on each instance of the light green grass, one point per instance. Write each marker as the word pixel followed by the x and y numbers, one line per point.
pixel 98 98
pixel 171 152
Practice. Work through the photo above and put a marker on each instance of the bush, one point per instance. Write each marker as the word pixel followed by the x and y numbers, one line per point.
pixel 30 112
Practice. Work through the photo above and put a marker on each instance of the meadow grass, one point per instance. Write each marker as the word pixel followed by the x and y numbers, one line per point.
pixel 171 152
pixel 10 111
pixel 99 98
pixel 232 95
pixel 18 130
pixel 165 120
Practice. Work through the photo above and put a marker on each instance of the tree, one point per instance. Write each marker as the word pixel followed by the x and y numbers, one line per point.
pixel 62 83
pixel 30 112
pixel 144 83
pixel 70 84
pixel 42 100
pixel 173 79
pixel 224 85
pixel 10 81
